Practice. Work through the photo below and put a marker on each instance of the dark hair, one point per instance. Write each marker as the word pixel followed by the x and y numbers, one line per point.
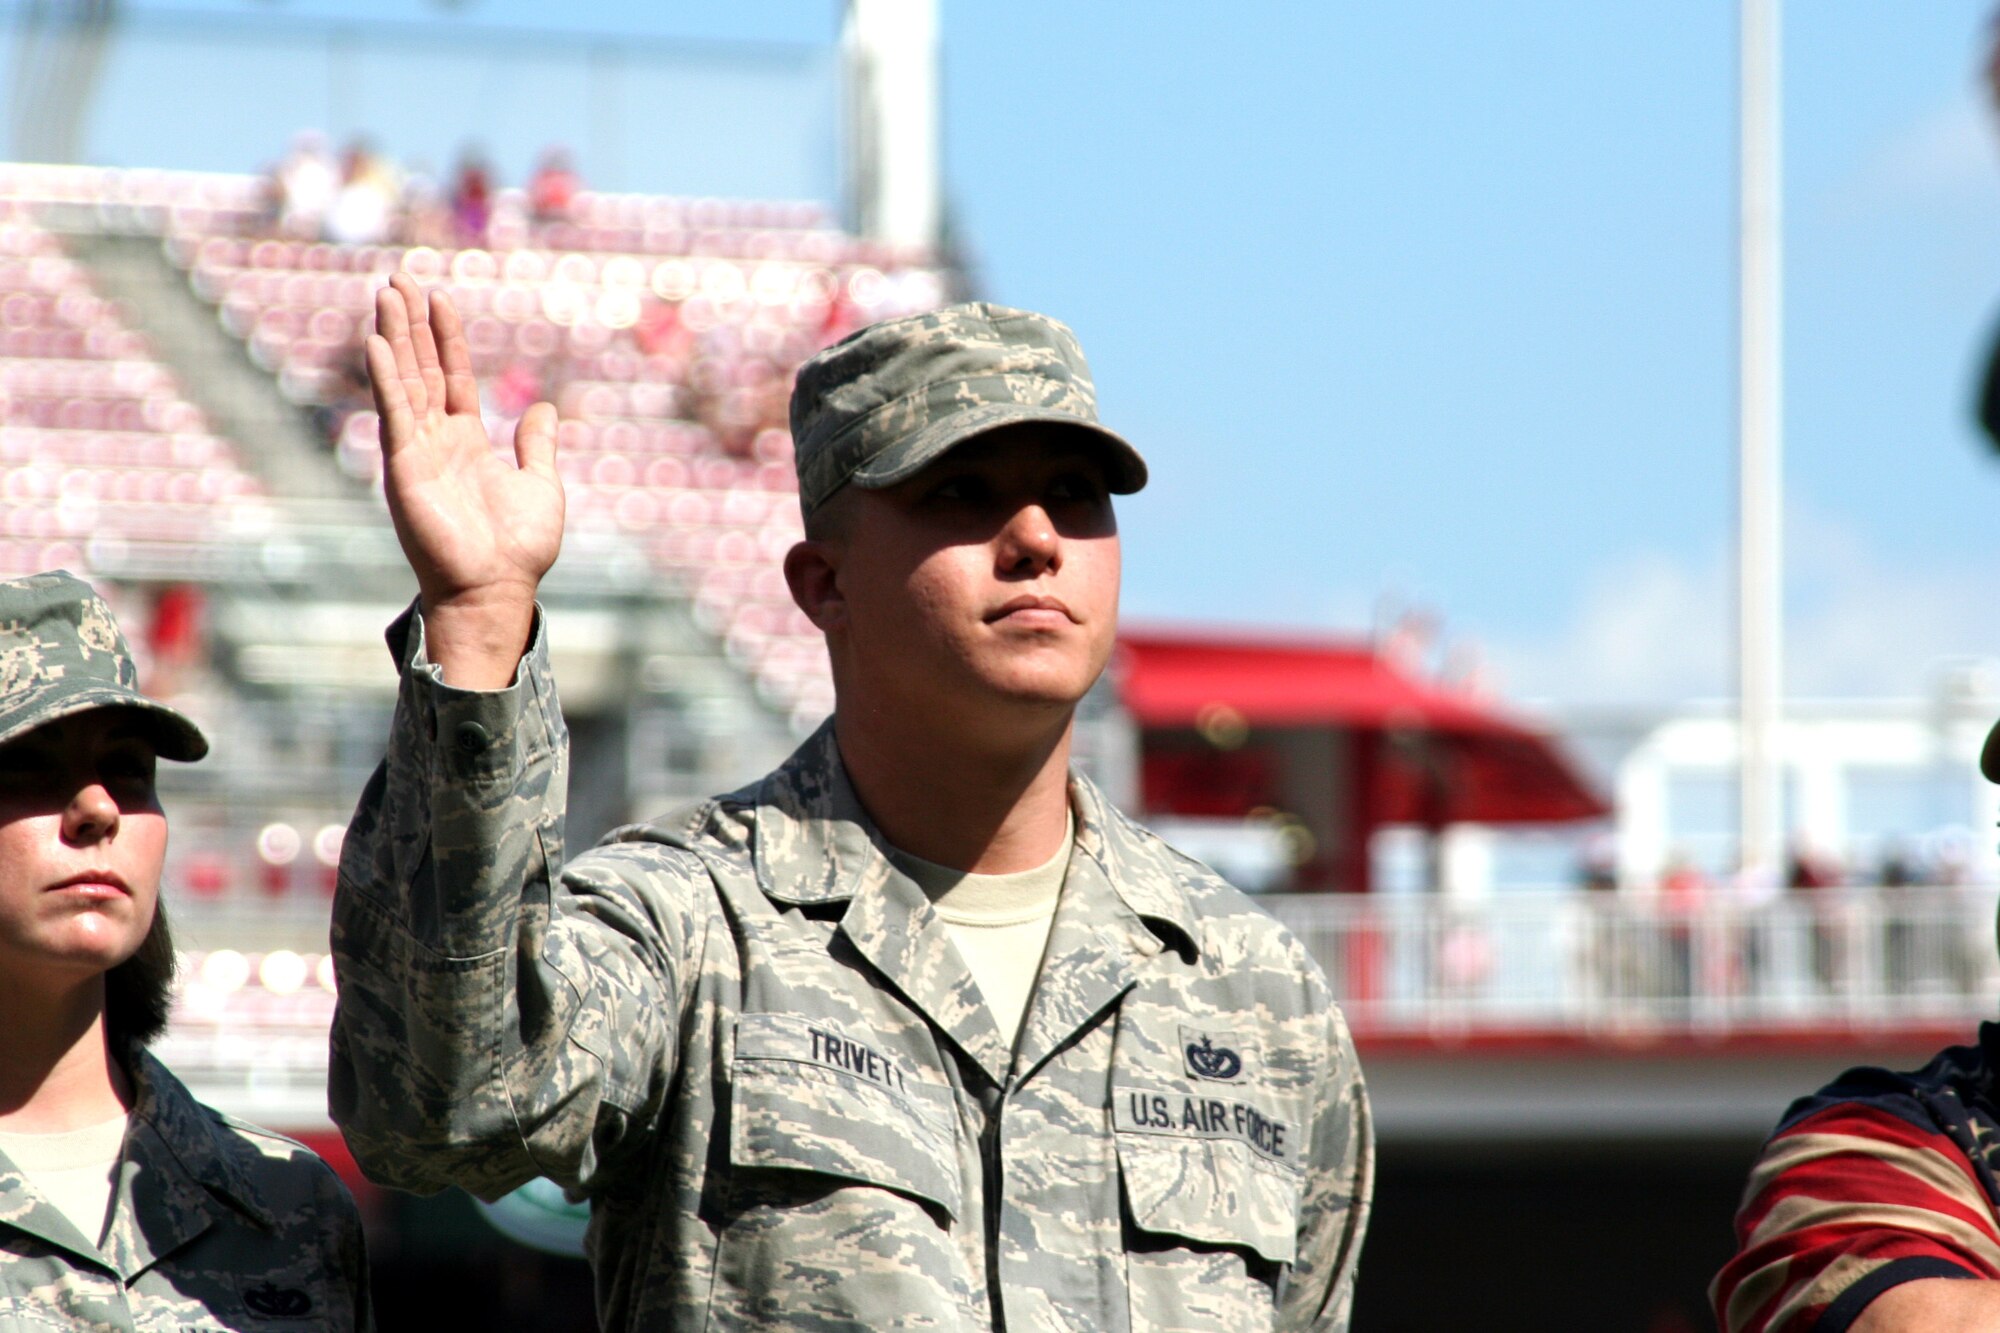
pixel 139 992
pixel 832 520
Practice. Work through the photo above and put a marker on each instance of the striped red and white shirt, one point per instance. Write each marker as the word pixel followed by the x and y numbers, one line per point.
pixel 1877 1179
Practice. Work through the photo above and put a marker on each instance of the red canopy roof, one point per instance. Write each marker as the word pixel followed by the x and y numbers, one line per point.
pixel 1447 758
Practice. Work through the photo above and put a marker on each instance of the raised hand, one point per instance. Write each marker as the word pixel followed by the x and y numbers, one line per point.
pixel 479 532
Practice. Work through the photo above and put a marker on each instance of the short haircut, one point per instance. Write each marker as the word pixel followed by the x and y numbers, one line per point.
pixel 139 992
pixel 832 519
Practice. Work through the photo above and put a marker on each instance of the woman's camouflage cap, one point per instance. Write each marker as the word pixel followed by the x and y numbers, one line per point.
pixel 61 653
pixel 888 400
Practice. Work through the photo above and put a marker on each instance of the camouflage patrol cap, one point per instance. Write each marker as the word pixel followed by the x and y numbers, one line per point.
pixel 888 400
pixel 61 653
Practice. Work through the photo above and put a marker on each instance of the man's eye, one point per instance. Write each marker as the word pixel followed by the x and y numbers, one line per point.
pixel 959 489
pixel 24 761
pixel 1076 486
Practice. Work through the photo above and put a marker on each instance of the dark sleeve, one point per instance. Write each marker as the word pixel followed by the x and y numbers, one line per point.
pixel 1844 1203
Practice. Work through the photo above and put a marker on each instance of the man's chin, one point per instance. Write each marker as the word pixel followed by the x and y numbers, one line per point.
pixel 1038 690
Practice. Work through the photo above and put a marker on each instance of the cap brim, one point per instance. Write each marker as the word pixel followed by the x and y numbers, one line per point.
pixel 1989 755
pixel 907 457
pixel 173 735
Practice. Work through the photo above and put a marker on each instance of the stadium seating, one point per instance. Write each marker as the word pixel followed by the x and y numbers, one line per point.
pixel 667 332
pixel 99 450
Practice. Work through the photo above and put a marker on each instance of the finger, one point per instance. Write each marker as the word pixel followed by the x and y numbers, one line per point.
pixel 461 390
pixel 392 405
pixel 417 309
pixel 425 342
pixel 535 441
pixel 392 317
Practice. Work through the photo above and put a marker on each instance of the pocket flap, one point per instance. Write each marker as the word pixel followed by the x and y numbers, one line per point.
pixel 796 1115
pixel 1212 1187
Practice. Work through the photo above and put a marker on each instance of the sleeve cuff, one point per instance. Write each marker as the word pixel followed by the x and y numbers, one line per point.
pixel 475 736
pixel 1847 1307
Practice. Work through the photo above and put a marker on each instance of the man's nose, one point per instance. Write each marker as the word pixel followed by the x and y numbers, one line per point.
pixel 1029 544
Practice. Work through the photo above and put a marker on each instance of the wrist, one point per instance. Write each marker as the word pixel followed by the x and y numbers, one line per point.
pixel 477 641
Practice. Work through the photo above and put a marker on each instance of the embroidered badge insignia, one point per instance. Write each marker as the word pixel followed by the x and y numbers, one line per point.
pixel 1207 1060
pixel 276 1302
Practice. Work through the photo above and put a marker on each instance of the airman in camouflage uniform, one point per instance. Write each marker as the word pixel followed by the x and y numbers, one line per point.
pixel 744 1034
pixel 213 1223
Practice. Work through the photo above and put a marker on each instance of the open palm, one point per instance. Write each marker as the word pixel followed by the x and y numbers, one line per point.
pixel 474 526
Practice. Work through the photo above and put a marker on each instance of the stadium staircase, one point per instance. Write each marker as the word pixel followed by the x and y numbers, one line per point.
pixel 273 436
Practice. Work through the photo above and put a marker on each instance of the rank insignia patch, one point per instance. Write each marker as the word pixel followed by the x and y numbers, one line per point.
pixel 1217 1057
pixel 276 1302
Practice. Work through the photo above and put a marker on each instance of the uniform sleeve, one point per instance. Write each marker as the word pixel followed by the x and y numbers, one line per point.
pixel 1844 1204
pixel 499 1018
pixel 1319 1295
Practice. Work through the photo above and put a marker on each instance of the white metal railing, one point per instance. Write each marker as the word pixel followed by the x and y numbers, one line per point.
pixel 250 1027
pixel 1586 964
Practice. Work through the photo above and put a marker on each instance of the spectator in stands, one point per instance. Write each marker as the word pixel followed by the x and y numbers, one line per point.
pixel 552 189
pixel 425 212
pixel 1874 1206
pixel 364 208
pixel 1905 940
pixel 1899 869
pixel 174 638
pixel 345 394
pixel 1812 869
pixel 799 1045
pixel 308 180
pixel 124 1203
pixel 1684 887
pixel 472 199
pixel 1597 868
pixel 1808 872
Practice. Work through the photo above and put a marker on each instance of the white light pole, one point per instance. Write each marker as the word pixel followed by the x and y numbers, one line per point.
pixel 1760 443
pixel 890 51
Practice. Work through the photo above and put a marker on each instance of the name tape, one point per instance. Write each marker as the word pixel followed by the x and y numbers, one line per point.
pixel 797 1038
pixel 838 1051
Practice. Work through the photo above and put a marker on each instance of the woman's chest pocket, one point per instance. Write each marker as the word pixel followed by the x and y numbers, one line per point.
pixel 1213 1208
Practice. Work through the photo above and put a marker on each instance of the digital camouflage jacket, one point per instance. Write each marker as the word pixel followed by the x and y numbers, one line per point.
pixel 746 1037
pixel 215 1224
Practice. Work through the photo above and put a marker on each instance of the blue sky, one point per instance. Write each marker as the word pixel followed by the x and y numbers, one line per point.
pixel 1428 302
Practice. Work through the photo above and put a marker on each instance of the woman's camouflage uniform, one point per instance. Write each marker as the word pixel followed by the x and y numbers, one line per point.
pixel 215 1224
pixel 747 1038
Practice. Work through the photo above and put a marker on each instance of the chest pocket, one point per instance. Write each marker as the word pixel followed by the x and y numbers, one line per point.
pixel 1218 1172
pixel 808 1097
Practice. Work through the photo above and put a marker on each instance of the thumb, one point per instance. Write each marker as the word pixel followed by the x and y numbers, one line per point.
pixel 535 441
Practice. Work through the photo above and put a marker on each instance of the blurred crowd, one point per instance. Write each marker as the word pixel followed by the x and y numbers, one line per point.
pixel 363 197
pixel 1938 861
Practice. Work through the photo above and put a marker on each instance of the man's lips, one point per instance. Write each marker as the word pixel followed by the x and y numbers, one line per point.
pixel 1030 608
pixel 97 883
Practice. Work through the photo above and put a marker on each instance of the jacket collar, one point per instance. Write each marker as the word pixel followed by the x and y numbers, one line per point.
pixel 205 1148
pixel 178 1174
pixel 182 1172
pixel 1122 903
pixel 814 843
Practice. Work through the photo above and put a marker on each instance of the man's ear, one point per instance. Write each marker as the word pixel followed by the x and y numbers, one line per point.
pixel 812 572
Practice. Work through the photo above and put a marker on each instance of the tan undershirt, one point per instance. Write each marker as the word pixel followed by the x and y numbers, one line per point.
pixel 999 923
pixel 72 1170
